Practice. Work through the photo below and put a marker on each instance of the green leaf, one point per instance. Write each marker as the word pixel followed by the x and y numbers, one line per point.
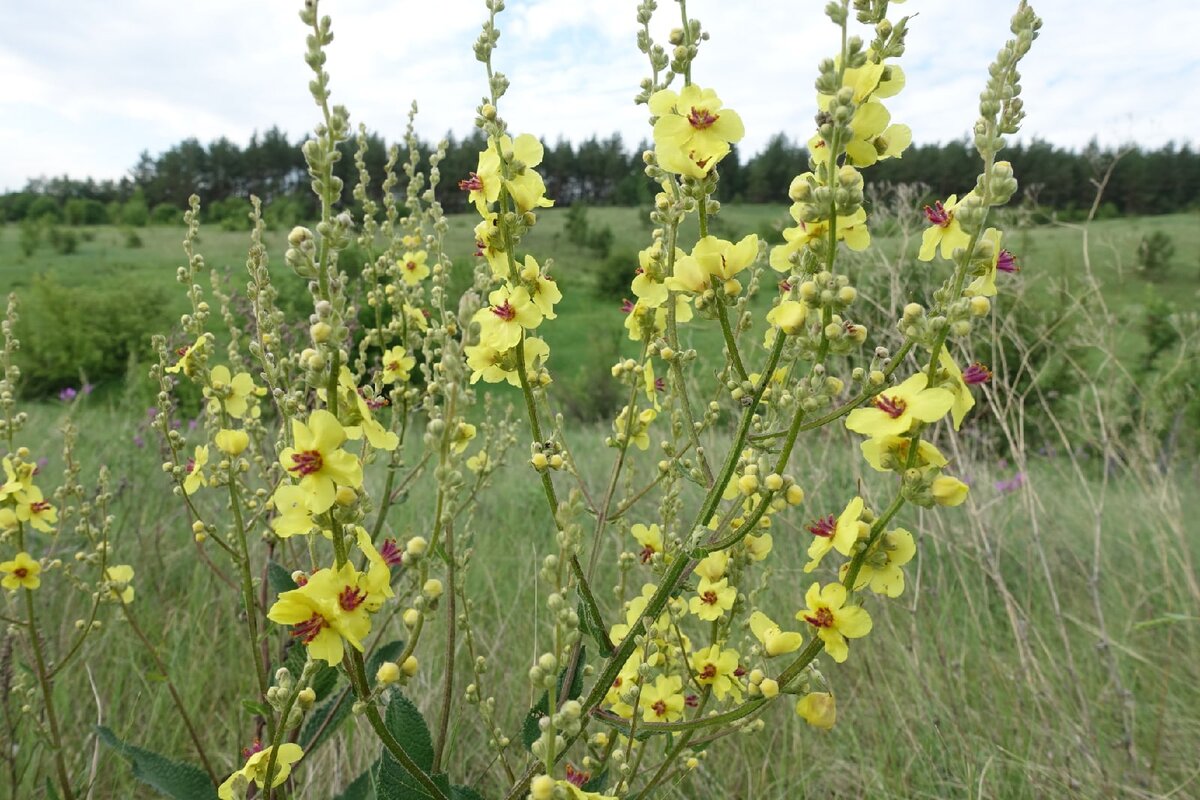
pixel 530 731
pixel 174 779
pixel 363 787
pixel 279 579
pixel 309 737
pixel 464 793
pixel 593 628
pixel 256 708
pixel 405 722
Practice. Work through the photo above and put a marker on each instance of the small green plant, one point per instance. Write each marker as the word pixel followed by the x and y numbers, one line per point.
pixel 1155 253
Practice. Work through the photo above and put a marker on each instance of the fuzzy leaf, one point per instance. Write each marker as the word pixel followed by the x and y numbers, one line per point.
pixel 174 779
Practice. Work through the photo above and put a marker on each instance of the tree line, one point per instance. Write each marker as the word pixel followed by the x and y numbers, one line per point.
pixel 597 171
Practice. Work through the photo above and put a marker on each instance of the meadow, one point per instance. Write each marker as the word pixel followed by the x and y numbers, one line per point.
pixel 1049 644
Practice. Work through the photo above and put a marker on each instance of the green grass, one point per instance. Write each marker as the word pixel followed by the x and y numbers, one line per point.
pixel 990 677
pixel 1050 257
pixel 1040 628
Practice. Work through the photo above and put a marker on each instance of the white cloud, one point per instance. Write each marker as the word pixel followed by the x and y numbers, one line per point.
pixel 90 85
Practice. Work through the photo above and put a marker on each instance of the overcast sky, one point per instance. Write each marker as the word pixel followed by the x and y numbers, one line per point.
pixel 88 85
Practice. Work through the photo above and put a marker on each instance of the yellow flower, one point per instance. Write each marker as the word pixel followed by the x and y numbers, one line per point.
pixel 416 317
pixel 188 356
pixel 789 316
pixel 964 401
pixel 690 276
pixel 818 709
pixel 413 268
pixel 693 132
pixel 119 577
pixel 984 285
pixel 945 231
pixel 21 573
pixel 948 491
pixel 512 311
pixel 501 365
pixel 852 229
pixel 231 442
pixel 775 641
pixel 8 520
pixel 479 462
pixel 872 138
pixel 356 407
pixel 714 667
pixel 317 461
pixel 463 434
pixel 255 769
pixel 329 607
pixel 233 393
pixel 839 535
pixel 663 700
pixel 712 567
pixel 880 570
pixel 543 291
pixel 758 547
pixel 377 580
pixel 713 598
pixel 896 410
pixel 649 538
pixel 886 453
pixel 397 364
pixel 195 470
pixel 489 243
pixel 834 620
pixel 18 478
pixel 639 431
pixel 292 514
pixel 627 676
pixel 33 508
pixel 723 259
pixel 526 186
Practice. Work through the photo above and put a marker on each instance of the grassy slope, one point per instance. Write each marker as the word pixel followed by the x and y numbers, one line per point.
pixel 981 681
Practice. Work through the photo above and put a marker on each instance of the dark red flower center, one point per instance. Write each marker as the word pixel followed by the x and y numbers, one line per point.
pixel 938 215
pixel 892 406
pixel 505 311
pixel 191 465
pixel 38 506
pixel 708 673
pixel 21 572
pixel 391 553
pixel 626 306
pixel 306 462
pixel 472 184
pixel 691 701
pixel 309 629
pixel 410 265
pixel 577 777
pixel 701 118
pixel 822 619
pixel 709 598
pixel 823 527
pixel 647 553
pixel 1007 262
pixel 351 598
pixel 976 373
pixel 660 708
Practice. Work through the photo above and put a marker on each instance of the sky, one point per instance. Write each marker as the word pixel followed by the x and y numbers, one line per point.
pixel 90 85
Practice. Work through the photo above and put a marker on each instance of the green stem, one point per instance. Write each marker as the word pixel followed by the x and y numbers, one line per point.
pixel 60 764
pixel 730 343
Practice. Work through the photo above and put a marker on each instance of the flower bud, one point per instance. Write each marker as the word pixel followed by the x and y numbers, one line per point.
pixel 416 546
pixel 306 698
pixel 320 332
pixel 769 688
pixel 410 666
pixel 345 496
pixel 980 306
pixel 388 673
pixel 432 589
pixel 795 495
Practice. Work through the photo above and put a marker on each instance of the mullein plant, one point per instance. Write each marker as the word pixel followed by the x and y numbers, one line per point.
pixel 56 540
pixel 291 482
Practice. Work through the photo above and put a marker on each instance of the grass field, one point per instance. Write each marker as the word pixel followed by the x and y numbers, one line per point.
pixel 1049 257
pixel 1048 645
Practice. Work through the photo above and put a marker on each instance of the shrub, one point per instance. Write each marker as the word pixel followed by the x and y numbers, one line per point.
pixel 1155 253
pixel 68 330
